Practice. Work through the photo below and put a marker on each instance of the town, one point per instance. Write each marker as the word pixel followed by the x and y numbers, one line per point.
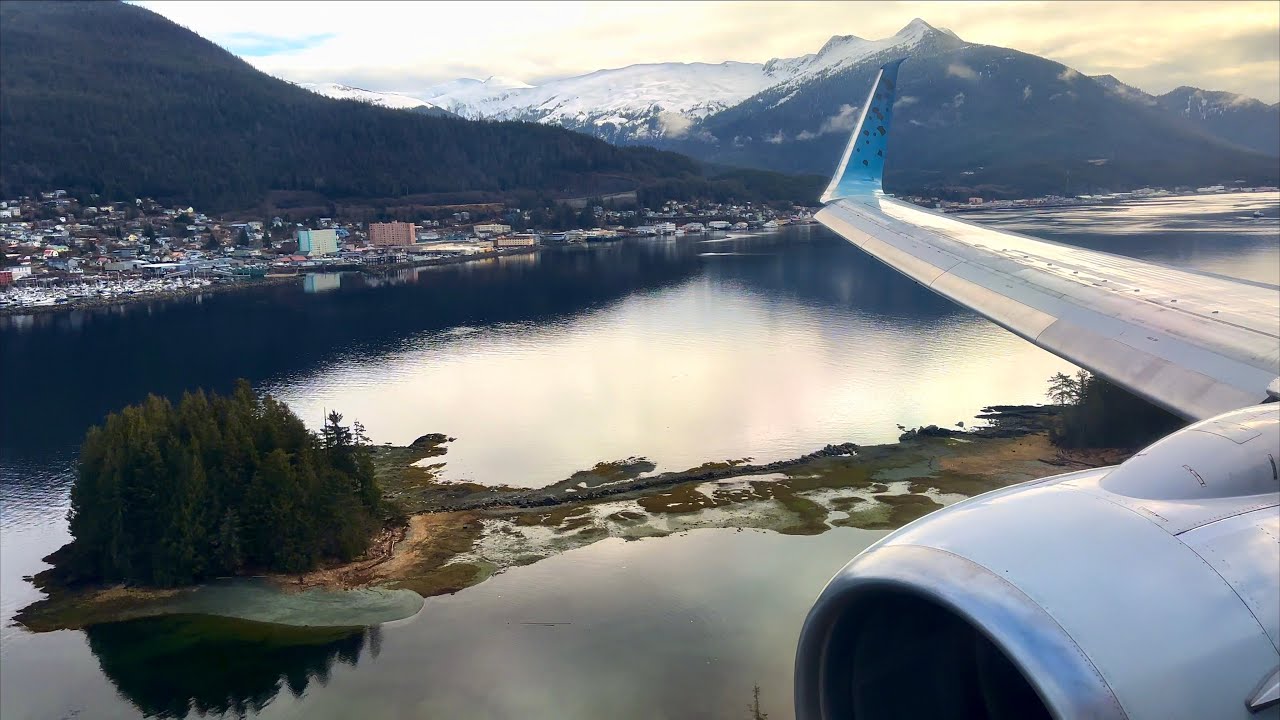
pixel 64 250
pixel 60 249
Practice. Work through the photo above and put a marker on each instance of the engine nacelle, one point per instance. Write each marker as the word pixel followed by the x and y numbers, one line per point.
pixel 1150 589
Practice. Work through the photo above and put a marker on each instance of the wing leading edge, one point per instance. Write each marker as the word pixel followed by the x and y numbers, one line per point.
pixel 1196 344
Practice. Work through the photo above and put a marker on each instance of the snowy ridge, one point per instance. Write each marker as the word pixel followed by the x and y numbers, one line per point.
pixel 657 100
pixel 648 99
pixel 843 51
pixel 396 101
pixel 1203 104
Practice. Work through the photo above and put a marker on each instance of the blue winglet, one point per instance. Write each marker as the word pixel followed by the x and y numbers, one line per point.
pixel 861 170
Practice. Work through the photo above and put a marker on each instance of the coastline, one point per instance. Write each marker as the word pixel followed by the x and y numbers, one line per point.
pixel 93 303
pixel 460 534
pixel 253 283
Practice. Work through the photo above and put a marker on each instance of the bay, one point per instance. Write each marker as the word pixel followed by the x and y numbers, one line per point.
pixel 679 350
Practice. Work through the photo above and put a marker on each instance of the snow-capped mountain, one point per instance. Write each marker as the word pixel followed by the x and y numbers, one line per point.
pixel 971 118
pixel 631 103
pixel 642 103
pixel 395 101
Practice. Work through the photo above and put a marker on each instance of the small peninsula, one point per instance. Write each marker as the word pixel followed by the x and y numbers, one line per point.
pixel 170 496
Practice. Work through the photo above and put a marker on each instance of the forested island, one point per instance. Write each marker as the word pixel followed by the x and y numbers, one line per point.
pixel 168 495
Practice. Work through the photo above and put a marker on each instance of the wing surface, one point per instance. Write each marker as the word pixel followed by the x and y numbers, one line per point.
pixel 1194 343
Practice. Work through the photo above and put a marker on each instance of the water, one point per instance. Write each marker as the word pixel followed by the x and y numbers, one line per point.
pixel 678 350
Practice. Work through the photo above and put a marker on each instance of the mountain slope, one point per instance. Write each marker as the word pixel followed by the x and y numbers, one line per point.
pixel 173 116
pixel 976 119
pixel 1235 118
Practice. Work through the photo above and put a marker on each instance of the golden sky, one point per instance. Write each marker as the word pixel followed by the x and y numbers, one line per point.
pixel 400 46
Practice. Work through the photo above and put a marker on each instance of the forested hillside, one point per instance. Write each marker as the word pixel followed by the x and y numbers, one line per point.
pixel 114 99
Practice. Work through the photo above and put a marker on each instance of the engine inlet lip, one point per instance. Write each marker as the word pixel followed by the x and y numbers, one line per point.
pixel 1064 677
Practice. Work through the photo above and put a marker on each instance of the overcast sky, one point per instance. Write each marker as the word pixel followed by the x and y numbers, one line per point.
pixel 405 47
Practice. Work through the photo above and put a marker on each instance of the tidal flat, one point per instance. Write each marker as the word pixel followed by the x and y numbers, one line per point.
pixel 456 535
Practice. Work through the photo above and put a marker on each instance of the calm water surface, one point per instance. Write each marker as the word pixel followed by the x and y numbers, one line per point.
pixel 679 350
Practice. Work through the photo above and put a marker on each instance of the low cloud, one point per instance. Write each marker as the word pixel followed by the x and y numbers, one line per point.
pixel 776 139
pixel 958 100
pixel 842 121
pixel 904 101
pixel 674 124
pixel 962 71
pixel 1068 75
pixel 1026 93
pixel 806 135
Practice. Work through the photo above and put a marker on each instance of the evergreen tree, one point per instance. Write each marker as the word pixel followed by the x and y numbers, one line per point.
pixel 168 495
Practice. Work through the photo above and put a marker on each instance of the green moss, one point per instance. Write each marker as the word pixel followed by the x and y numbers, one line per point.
pixel 948 481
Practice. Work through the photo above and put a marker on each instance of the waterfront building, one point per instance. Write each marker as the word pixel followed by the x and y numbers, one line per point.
pixel 392 234
pixel 491 229
pixel 317 243
pixel 515 241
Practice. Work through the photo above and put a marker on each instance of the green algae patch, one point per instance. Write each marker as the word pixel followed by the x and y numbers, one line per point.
pixel 811 518
pixel 947 481
pixel 610 473
pixel 906 508
pixel 75 608
pixel 554 517
pixel 442 579
pixel 847 503
pixel 680 499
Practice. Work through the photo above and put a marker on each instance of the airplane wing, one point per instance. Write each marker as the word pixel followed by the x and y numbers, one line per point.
pixel 1196 344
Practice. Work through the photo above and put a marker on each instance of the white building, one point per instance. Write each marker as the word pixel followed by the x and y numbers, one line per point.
pixel 491 229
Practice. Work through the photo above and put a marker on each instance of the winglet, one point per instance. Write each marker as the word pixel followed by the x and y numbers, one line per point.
pixel 861 169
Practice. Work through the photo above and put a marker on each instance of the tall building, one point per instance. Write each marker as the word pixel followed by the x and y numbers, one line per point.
pixel 392 234
pixel 317 243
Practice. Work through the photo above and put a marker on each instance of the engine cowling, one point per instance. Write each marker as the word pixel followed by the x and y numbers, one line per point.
pixel 1151 589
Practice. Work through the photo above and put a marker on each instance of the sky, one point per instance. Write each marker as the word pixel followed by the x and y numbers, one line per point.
pixel 407 47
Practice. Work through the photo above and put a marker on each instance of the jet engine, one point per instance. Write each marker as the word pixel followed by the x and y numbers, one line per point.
pixel 1146 590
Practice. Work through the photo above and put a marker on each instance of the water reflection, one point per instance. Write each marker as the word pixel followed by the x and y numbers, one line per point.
pixel 321 282
pixel 171 667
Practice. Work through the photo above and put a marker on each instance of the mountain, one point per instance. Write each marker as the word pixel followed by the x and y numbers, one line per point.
pixel 1112 84
pixel 970 119
pixel 170 115
pixel 396 101
pixel 653 102
pixel 1235 118
pixel 629 104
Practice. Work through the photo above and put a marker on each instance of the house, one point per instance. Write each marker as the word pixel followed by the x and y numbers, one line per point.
pixel 70 264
